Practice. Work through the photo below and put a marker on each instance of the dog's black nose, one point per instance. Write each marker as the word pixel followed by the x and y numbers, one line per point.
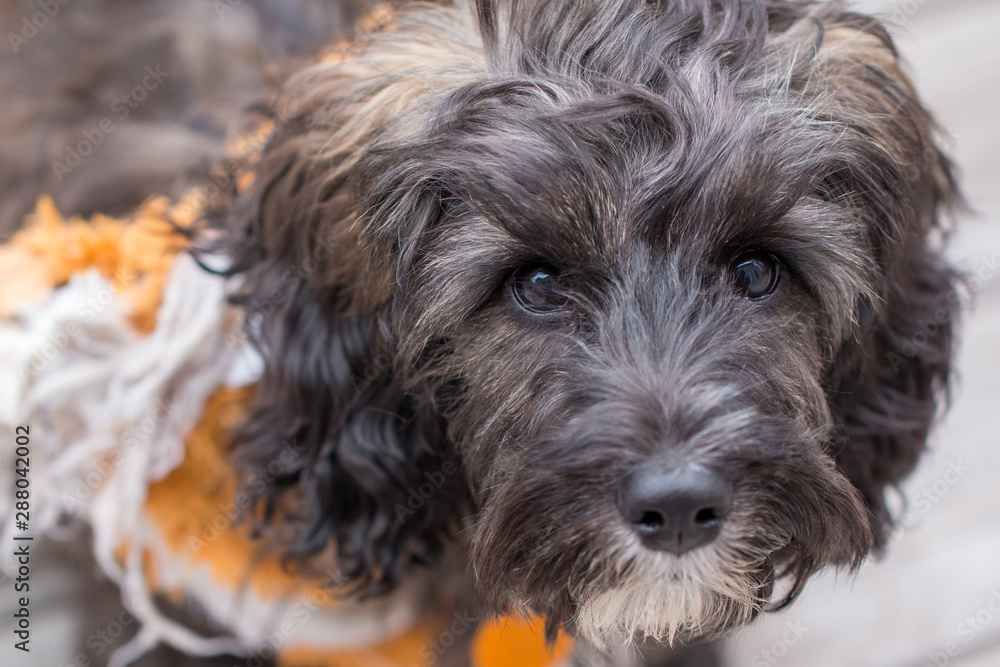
pixel 676 510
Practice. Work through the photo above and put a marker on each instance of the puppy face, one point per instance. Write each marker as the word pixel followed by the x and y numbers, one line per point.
pixel 611 307
pixel 647 271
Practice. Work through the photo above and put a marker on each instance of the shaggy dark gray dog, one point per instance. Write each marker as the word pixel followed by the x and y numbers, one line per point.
pixel 649 275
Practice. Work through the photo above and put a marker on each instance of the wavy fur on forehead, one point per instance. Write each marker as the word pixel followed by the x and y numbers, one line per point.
pixel 378 151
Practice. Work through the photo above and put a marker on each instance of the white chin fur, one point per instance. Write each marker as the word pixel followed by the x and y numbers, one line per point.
pixel 668 597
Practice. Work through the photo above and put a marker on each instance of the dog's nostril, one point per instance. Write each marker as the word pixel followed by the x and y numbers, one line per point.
pixel 675 511
pixel 705 516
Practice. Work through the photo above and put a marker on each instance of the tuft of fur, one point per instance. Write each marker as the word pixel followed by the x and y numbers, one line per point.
pixel 661 597
pixel 639 147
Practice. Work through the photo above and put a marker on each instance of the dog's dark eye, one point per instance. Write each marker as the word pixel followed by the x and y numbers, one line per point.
pixel 536 289
pixel 756 275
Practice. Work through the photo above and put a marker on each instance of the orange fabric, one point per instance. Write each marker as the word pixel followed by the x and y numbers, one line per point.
pixel 134 254
pixel 193 507
pixel 506 642
pixel 512 641
pixel 408 650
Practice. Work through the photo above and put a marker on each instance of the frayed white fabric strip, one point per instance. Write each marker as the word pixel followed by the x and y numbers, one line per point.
pixel 302 615
pixel 109 410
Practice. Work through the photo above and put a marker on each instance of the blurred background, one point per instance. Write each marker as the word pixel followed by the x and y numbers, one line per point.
pixel 933 600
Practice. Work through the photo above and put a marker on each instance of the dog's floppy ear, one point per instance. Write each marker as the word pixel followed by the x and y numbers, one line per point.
pixel 333 449
pixel 888 377
pixel 886 383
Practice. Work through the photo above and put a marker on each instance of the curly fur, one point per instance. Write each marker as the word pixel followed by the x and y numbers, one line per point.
pixel 639 147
